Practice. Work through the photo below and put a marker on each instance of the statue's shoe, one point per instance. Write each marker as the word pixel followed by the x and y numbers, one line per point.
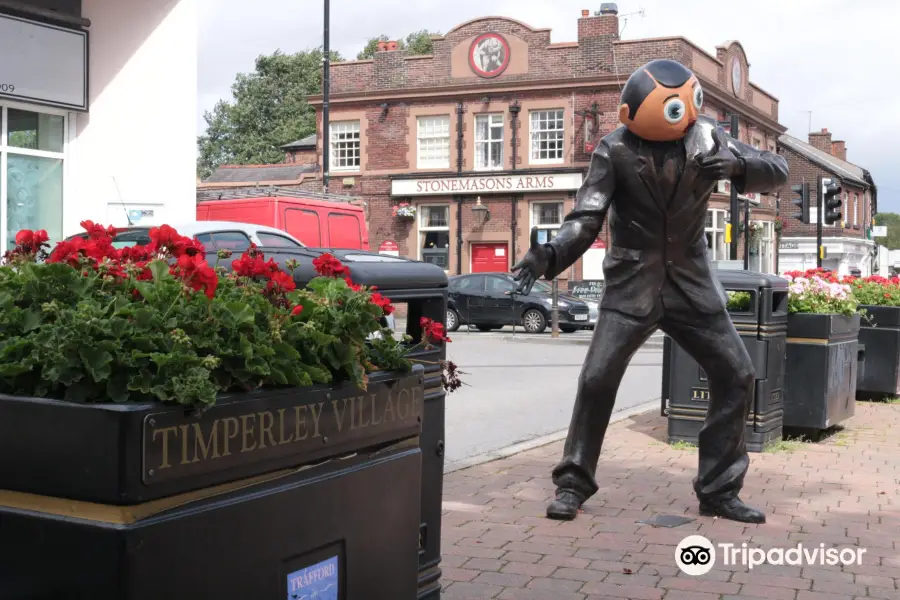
pixel 565 506
pixel 733 509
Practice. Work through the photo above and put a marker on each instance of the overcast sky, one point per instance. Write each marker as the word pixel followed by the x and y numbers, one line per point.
pixel 831 57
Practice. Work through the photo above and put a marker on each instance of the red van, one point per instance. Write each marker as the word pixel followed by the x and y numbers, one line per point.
pixel 318 223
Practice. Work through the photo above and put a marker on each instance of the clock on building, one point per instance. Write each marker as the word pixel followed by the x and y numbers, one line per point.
pixel 737 76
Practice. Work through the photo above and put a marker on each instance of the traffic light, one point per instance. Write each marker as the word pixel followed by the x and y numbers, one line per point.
pixel 831 192
pixel 801 202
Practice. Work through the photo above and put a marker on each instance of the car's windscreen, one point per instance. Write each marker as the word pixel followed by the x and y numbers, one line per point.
pixel 540 286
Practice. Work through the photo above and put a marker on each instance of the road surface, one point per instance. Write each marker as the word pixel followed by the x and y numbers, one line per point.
pixel 524 389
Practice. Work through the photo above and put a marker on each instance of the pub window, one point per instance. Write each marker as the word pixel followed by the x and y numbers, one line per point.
pixel 434 142
pixel 762 253
pixel 489 142
pixel 547 136
pixel 548 218
pixel 345 145
pixel 855 208
pixel 715 234
pixel 32 152
pixel 434 233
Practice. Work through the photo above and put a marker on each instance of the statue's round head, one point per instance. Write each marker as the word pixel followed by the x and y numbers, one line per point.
pixel 660 101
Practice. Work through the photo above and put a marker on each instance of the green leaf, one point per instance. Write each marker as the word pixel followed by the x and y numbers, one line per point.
pixel 242 313
pixel 31 320
pixel 141 382
pixel 117 387
pixel 159 269
pixel 12 369
pixel 96 362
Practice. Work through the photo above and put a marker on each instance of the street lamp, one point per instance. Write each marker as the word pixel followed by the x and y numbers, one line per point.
pixel 326 86
pixel 482 213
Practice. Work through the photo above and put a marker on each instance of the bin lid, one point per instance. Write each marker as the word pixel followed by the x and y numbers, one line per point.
pixel 751 280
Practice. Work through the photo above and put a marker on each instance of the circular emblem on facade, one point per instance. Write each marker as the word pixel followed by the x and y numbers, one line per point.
pixel 737 76
pixel 489 55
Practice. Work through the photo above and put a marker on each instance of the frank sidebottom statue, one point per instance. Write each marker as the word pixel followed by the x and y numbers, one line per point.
pixel 653 177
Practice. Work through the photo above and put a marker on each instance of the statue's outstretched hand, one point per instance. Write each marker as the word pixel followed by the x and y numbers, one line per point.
pixel 721 163
pixel 533 265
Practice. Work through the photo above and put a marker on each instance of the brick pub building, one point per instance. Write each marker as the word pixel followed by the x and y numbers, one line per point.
pixel 848 244
pixel 492 135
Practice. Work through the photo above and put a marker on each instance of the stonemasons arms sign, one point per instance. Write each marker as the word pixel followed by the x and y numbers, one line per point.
pixel 486 184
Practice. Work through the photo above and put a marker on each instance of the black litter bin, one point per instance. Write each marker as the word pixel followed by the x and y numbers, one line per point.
pixel 762 325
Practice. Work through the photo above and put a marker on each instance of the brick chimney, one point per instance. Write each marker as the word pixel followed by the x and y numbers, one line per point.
pixel 821 140
pixel 839 149
pixel 604 22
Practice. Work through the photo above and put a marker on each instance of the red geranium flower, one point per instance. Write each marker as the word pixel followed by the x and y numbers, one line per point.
pixel 196 274
pixel 29 239
pixel 96 231
pixel 327 265
pixel 433 331
pixel 353 286
pixel 282 281
pixel 296 310
pixel 383 303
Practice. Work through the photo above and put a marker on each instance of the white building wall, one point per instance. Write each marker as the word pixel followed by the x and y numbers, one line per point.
pixel 137 144
pixel 842 255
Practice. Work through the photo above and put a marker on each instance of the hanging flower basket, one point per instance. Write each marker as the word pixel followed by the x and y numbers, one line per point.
pixel 405 211
pixel 756 231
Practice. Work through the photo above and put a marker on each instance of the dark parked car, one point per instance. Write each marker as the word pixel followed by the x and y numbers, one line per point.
pixel 489 301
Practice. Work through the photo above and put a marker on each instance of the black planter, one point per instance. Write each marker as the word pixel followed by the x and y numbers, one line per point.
pixel 141 502
pixel 821 368
pixel 880 333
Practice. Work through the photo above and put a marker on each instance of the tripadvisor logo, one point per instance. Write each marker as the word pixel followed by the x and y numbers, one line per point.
pixel 696 555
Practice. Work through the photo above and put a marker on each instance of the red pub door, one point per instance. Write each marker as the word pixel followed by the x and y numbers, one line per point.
pixel 490 258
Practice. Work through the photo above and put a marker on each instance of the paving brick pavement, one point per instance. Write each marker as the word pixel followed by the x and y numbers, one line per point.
pixel 842 491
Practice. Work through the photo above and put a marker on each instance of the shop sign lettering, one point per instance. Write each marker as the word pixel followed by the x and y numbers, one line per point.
pixel 487 184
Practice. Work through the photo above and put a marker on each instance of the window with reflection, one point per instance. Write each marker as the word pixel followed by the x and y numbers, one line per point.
pixel 434 232
pixel 715 234
pixel 32 155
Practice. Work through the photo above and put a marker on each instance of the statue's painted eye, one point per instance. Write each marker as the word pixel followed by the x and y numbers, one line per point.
pixel 674 110
pixel 698 96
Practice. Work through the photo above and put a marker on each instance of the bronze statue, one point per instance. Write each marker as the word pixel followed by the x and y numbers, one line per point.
pixel 653 177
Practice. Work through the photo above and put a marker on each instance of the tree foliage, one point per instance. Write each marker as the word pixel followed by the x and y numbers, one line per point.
pixel 269 109
pixel 417 43
pixel 892 221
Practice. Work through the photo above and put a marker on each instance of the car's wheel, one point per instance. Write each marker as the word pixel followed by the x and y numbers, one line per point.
pixel 568 329
pixel 452 320
pixel 534 321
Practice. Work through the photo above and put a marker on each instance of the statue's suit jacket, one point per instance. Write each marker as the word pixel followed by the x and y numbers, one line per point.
pixel 654 242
